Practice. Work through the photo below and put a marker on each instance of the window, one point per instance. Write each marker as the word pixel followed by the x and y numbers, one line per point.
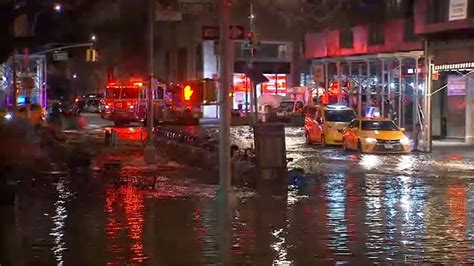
pixel 438 11
pixel 354 124
pixel 410 34
pixel 340 115
pixel 376 35
pixel 346 38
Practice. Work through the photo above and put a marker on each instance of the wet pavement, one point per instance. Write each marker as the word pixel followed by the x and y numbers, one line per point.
pixel 347 209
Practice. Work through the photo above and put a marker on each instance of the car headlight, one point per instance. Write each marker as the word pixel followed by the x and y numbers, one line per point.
pixel 370 140
pixel 8 116
pixel 405 141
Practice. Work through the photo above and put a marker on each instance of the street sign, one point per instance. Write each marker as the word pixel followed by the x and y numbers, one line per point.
pixel 60 56
pixel 196 8
pixel 168 12
pixel 212 32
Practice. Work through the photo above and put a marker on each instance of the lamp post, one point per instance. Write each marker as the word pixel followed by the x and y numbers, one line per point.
pixel 58 8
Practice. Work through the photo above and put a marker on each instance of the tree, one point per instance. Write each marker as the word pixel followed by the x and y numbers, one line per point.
pixel 299 17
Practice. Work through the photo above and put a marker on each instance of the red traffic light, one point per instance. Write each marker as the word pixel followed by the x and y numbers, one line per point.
pixel 250 36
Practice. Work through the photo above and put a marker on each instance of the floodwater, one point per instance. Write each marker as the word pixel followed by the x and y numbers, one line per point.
pixel 347 209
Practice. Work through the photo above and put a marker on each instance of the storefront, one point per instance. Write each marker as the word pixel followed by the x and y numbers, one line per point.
pixel 453 101
pixel 276 85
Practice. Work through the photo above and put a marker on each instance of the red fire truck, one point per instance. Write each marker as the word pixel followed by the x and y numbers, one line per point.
pixel 125 103
pixel 173 104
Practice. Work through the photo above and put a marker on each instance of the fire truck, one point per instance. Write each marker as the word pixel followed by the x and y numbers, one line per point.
pixel 172 103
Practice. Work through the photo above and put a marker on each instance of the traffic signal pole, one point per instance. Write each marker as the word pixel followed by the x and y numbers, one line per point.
pixel 251 59
pixel 150 153
pixel 224 100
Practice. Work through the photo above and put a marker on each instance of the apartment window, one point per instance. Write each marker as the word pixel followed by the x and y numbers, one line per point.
pixel 410 34
pixel 376 35
pixel 438 11
pixel 346 38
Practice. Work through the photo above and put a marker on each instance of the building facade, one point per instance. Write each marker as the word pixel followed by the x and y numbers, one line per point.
pixel 448 27
pixel 381 61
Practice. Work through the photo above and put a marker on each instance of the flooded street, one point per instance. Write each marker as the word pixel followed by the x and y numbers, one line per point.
pixel 348 208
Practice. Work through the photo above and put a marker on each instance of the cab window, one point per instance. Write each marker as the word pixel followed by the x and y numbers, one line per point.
pixel 354 124
pixel 340 115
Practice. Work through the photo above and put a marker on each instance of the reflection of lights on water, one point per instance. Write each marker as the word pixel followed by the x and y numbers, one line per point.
pixel 405 201
pixel 405 162
pixel 336 195
pixel 369 161
pixel 59 220
pixel 279 246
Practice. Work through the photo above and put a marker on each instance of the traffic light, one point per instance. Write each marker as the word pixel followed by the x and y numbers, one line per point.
pixel 92 55
pixel 209 91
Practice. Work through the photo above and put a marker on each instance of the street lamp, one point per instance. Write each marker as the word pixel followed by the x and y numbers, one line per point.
pixel 93 38
pixel 58 7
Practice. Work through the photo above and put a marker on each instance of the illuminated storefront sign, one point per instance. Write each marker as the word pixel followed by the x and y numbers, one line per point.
pixel 279 81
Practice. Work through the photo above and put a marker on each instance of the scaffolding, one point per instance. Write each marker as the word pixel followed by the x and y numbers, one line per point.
pixel 35 67
pixel 392 82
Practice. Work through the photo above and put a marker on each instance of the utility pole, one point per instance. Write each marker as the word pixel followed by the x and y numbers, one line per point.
pixel 150 153
pixel 250 65
pixel 224 99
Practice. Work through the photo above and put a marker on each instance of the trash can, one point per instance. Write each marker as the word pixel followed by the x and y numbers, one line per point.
pixel 270 152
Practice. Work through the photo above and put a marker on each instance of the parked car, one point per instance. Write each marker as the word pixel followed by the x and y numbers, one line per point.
pixel 92 106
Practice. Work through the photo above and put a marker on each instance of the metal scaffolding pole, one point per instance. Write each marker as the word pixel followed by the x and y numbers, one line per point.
pixel 326 76
pixel 339 80
pixel 349 92
pixel 368 96
pixel 382 102
pixel 359 96
pixel 415 95
pixel 427 130
pixel 389 91
pixel 400 92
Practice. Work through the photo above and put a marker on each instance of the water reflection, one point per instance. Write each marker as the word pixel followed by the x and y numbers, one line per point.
pixel 337 223
pixel 125 217
pixel 59 219
pixel 340 218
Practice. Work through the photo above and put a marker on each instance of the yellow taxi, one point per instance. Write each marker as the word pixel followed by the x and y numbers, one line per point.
pixel 37 114
pixel 375 135
pixel 325 124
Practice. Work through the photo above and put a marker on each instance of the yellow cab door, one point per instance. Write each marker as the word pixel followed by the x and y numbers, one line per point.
pixel 309 121
pixel 319 125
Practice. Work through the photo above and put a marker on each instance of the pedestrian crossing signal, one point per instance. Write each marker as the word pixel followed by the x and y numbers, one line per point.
pixel 188 93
